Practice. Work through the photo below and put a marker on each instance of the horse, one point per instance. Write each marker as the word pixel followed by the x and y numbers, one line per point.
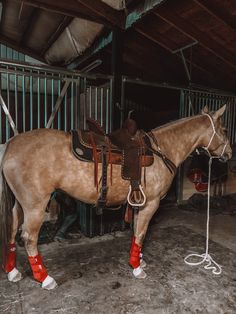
pixel 38 162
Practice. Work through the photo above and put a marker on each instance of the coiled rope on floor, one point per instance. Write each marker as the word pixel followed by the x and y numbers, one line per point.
pixel 206 257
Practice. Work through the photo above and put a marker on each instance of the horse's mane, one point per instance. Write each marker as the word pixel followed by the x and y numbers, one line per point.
pixel 175 122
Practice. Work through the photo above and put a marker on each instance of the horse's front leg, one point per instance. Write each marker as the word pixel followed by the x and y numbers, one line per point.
pixel 141 222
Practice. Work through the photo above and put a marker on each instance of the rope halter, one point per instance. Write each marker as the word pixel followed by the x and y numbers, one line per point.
pixel 211 139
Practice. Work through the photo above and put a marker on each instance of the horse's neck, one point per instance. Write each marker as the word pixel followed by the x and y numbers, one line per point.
pixel 178 139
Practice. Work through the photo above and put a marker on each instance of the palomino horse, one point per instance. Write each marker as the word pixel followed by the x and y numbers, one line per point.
pixel 36 163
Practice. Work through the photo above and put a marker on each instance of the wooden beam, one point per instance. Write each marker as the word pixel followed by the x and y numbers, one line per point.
pixel 156 37
pixel 218 11
pixel 18 47
pixel 201 66
pixel 69 8
pixel 116 18
pixel 29 26
pixel 61 27
pixel 195 34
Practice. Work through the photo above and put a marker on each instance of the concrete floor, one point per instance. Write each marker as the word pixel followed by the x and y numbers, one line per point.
pixel 94 277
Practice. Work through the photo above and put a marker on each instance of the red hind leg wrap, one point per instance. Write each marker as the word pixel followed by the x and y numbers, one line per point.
pixel 10 261
pixel 132 244
pixel 38 269
pixel 135 251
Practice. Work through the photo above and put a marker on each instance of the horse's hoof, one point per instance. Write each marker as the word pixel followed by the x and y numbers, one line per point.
pixel 139 273
pixel 143 264
pixel 14 275
pixel 49 283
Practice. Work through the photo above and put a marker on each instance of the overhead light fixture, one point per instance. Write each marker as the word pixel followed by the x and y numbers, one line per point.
pixel 91 66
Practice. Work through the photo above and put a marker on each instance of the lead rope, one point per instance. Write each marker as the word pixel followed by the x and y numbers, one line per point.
pixel 206 257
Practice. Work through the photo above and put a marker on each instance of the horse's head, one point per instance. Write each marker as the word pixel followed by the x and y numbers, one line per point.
pixel 215 139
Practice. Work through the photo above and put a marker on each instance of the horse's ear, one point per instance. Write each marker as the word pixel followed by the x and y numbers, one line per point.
pixel 205 109
pixel 219 112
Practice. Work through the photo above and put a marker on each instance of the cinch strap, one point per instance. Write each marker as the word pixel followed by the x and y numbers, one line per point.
pixel 38 269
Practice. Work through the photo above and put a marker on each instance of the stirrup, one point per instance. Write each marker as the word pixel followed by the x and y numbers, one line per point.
pixel 142 193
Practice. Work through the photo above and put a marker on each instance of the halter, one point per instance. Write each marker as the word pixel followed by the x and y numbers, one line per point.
pixel 211 139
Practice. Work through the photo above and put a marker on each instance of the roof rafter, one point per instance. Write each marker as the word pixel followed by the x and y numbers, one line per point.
pixel 218 12
pixel 169 45
pixel 61 27
pixel 70 8
pixel 156 37
pixel 192 32
pixel 164 44
pixel 116 18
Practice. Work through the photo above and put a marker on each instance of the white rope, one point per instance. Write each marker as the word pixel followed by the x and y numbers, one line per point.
pixel 206 257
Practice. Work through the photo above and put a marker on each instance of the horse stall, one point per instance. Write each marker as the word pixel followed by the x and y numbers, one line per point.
pixel 117 157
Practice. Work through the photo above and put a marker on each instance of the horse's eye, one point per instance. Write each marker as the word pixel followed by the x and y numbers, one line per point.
pixel 225 130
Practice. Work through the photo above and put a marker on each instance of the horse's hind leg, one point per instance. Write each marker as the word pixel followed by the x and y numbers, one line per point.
pixel 32 224
pixel 10 267
pixel 140 228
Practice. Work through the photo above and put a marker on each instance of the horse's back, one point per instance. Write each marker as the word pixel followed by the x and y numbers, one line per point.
pixel 35 156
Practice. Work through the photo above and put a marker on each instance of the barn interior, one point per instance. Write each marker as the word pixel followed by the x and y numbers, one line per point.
pixel 62 62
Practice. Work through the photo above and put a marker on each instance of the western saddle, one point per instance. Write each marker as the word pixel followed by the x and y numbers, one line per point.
pixel 127 147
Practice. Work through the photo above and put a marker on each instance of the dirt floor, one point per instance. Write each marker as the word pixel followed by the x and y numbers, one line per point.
pixel 94 277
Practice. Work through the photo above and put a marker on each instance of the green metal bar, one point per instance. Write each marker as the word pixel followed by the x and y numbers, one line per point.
pixel 23 102
pixel 16 99
pixel 72 115
pixel 96 103
pixel 90 101
pixel 38 103
pixel 52 97
pixel 107 110
pixel 1 114
pixel 45 103
pixel 65 112
pixel 8 107
pixel 59 110
pixel 111 107
pixel 101 117
pixel 1 124
pixel 85 102
pixel 78 106
pixel 31 103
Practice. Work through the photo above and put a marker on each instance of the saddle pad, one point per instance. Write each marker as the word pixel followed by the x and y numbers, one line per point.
pixel 82 148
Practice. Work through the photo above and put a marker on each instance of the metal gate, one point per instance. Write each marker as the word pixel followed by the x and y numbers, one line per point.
pixel 192 102
pixel 38 96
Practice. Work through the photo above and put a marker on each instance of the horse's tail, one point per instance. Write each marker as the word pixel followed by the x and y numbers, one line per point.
pixel 6 205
